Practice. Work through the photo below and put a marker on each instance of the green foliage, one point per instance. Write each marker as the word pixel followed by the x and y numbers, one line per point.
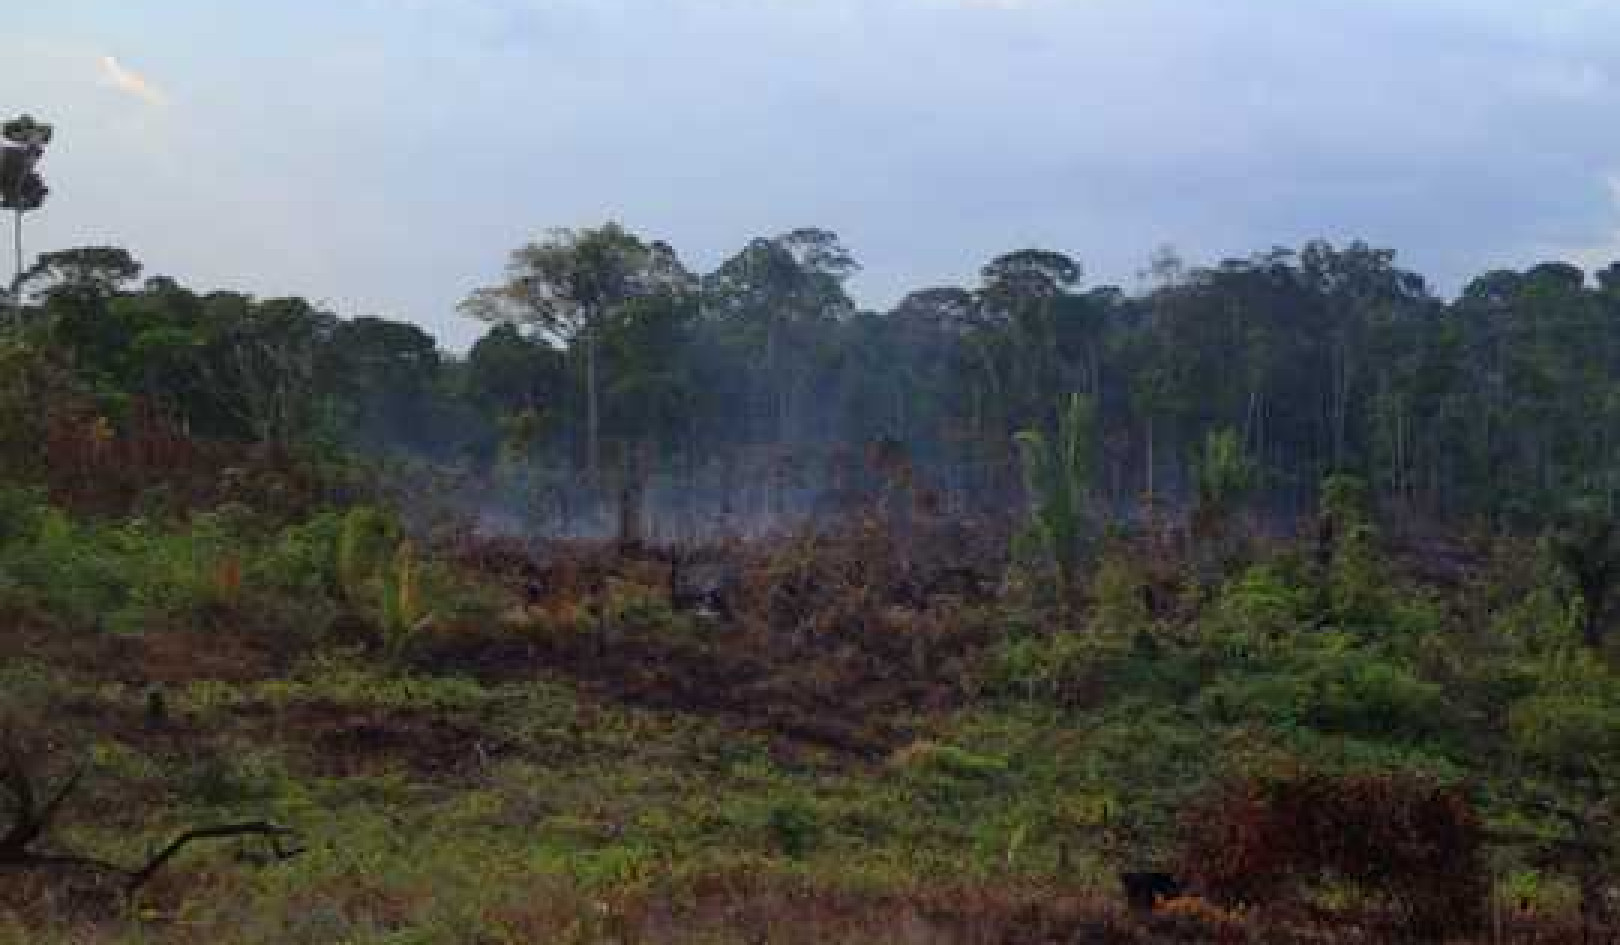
pixel 932 759
pixel 1224 476
pixel 795 827
pixel 1057 477
pixel 1355 583
pixel 217 569
pixel 403 613
pixel 1117 588
pixel 1586 545
pixel 1344 499
pixel 302 558
pixel 131 577
pixel 1259 610
pixel 1333 682
pixel 1571 723
pixel 366 545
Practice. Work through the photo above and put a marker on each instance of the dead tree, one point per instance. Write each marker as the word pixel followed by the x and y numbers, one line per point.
pixel 33 813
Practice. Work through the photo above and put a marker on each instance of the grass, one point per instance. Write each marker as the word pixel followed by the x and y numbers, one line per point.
pixel 526 778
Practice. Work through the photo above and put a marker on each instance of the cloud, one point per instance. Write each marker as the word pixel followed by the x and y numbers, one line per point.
pixel 127 80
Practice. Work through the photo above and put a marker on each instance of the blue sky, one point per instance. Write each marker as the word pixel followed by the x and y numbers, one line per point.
pixel 384 155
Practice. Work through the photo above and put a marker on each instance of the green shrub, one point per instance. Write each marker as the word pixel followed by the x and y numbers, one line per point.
pixel 1116 588
pixel 933 759
pixel 795 827
pixel 302 558
pixel 366 544
pixel 1571 723
pixel 1257 610
pixel 1057 477
pixel 1334 682
pixel 1069 668
pixel 404 613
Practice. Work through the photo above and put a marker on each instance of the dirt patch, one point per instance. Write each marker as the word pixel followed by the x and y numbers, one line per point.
pixel 343 741
pixel 813 695
pixel 81 654
pixel 832 640
pixel 183 656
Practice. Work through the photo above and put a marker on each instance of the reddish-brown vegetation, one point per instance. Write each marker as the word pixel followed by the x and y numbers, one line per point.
pixel 1417 845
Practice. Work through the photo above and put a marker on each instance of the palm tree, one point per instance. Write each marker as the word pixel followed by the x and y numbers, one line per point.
pixel 22 190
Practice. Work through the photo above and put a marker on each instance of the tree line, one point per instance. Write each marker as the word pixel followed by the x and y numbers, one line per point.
pixel 606 352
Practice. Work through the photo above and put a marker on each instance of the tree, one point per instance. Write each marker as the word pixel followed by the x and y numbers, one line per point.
pixel 22 190
pixel 508 371
pixel 1356 284
pixel 645 342
pixel 385 374
pixel 1586 545
pixel 263 361
pixel 1014 280
pixel 83 273
pixel 787 291
pixel 567 284
pixel 1017 334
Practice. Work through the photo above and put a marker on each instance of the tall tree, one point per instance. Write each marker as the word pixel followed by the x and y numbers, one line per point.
pixel 786 290
pixel 567 284
pixel 82 273
pixel 264 360
pixel 1018 338
pixel 22 190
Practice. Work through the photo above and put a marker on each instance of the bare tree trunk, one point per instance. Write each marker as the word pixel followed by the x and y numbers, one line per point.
pixel 632 499
pixel 593 439
pixel 17 279
pixel 1148 491
pixel 779 385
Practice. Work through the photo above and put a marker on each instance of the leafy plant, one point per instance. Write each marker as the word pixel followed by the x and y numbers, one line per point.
pixel 1586 544
pixel 1224 476
pixel 1057 477
pixel 367 540
pixel 403 615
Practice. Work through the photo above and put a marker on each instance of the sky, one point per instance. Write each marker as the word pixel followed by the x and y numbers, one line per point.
pixel 384 156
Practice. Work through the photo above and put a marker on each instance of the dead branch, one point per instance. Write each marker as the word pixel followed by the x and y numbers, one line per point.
pixel 31 821
pixel 274 832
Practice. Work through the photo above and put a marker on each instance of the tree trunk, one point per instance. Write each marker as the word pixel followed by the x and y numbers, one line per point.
pixel 16 280
pixel 593 432
pixel 632 500
pixel 1147 492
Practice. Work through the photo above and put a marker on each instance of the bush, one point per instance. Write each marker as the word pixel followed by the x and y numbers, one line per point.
pixel 948 778
pixel 1119 589
pixel 1415 843
pixel 1256 610
pixel 1334 682
pixel 1069 668
pixel 1571 723
pixel 795 827
pixel 367 542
